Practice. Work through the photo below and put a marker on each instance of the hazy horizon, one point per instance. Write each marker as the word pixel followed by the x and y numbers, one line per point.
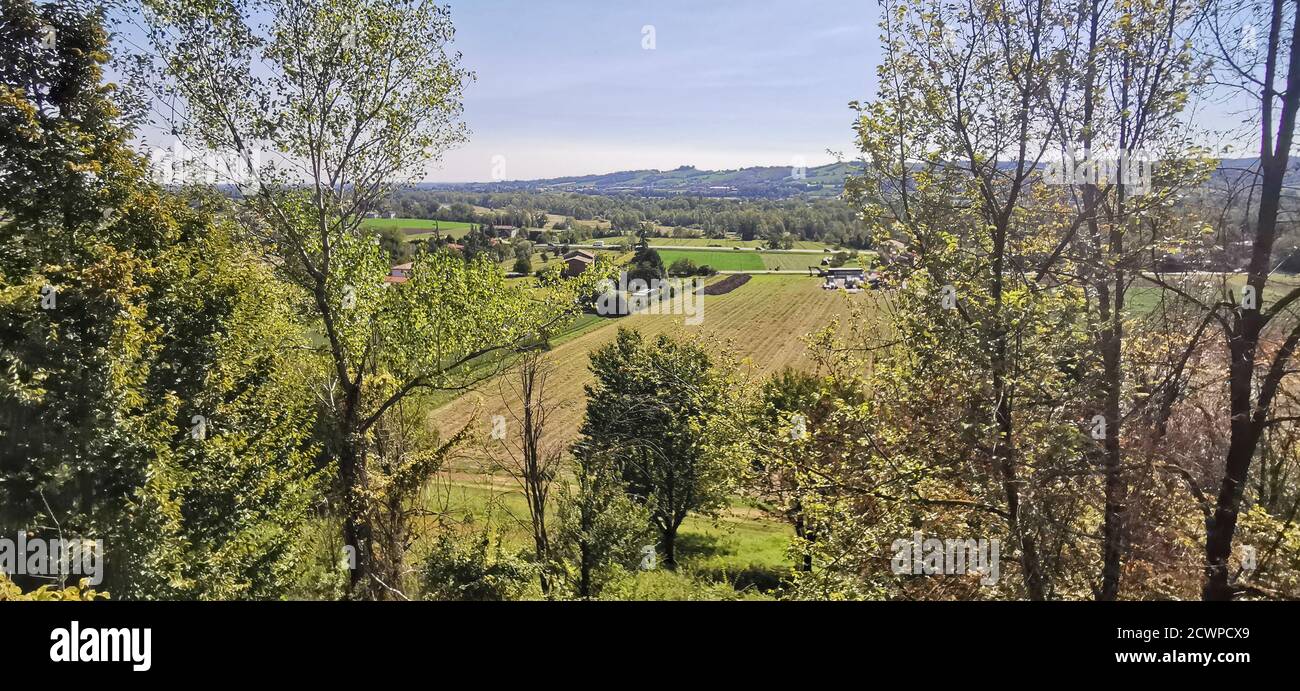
pixel 727 86
pixel 658 86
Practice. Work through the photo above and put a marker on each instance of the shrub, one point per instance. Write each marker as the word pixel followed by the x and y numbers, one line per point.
pixel 756 577
pixel 474 569
pixel 664 585
pixel 82 591
pixel 600 530
pixel 683 267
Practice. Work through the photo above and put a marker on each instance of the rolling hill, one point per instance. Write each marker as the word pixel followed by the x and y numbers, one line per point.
pixel 755 182
pixel 760 181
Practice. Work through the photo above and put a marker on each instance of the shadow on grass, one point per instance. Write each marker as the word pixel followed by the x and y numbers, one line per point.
pixel 694 549
pixel 694 546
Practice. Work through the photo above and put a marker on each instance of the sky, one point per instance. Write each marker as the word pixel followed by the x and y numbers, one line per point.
pixel 573 87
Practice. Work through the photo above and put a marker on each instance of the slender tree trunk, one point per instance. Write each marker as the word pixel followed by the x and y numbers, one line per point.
pixel 357 531
pixel 584 570
pixel 1115 490
pixel 1246 422
pixel 541 544
pixel 1004 450
pixel 1110 302
pixel 801 531
pixel 1113 368
pixel 534 470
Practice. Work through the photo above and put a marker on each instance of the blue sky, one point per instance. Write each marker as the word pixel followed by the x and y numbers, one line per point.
pixel 565 87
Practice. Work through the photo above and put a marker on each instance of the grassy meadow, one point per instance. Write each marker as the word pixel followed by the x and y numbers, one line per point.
pixel 746 260
pixel 420 227
pixel 1144 296
pixel 728 243
pixel 722 260
pixel 744 548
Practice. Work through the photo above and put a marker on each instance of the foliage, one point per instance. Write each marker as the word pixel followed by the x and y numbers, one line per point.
pixel 601 530
pixel 154 400
pixel 393 240
pixel 9 591
pixel 663 585
pixel 646 265
pixel 382 343
pixel 475 568
pixel 683 267
pixel 666 412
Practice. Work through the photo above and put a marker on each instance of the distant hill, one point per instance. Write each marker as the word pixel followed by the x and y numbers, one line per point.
pixel 759 181
pixel 772 182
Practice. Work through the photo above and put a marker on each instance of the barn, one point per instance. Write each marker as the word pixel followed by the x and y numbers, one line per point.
pixel 577 261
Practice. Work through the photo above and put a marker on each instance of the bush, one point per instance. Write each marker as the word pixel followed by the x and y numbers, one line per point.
pixel 523 266
pixel 82 591
pixel 754 577
pixel 683 267
pixel 686 267
pixel 600 530
pixel 664 585
pixel 474 569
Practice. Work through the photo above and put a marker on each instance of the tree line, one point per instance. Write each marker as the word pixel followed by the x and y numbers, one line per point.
pixel 825 220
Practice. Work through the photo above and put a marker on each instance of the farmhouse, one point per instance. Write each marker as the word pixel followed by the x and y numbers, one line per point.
pixel 846 277
pixel 845 272
pixel 399 273
pixel 577 261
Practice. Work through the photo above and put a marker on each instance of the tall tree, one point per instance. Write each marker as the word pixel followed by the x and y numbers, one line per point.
pixel 793 410
pixel 1262 337
pixel 153 395
pixel 350 97
pixel 954 141
pixel 1117 113
pixel 661 408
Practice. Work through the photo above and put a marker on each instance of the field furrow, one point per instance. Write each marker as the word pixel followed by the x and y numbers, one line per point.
pixel 761 322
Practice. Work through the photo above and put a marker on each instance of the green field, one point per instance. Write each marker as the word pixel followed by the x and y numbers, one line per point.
pixel 582 324
pixel 729 243
pixel 782 261
pixel 722 260
pixel 451 229
pixel 747 260
pixel 1144 296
